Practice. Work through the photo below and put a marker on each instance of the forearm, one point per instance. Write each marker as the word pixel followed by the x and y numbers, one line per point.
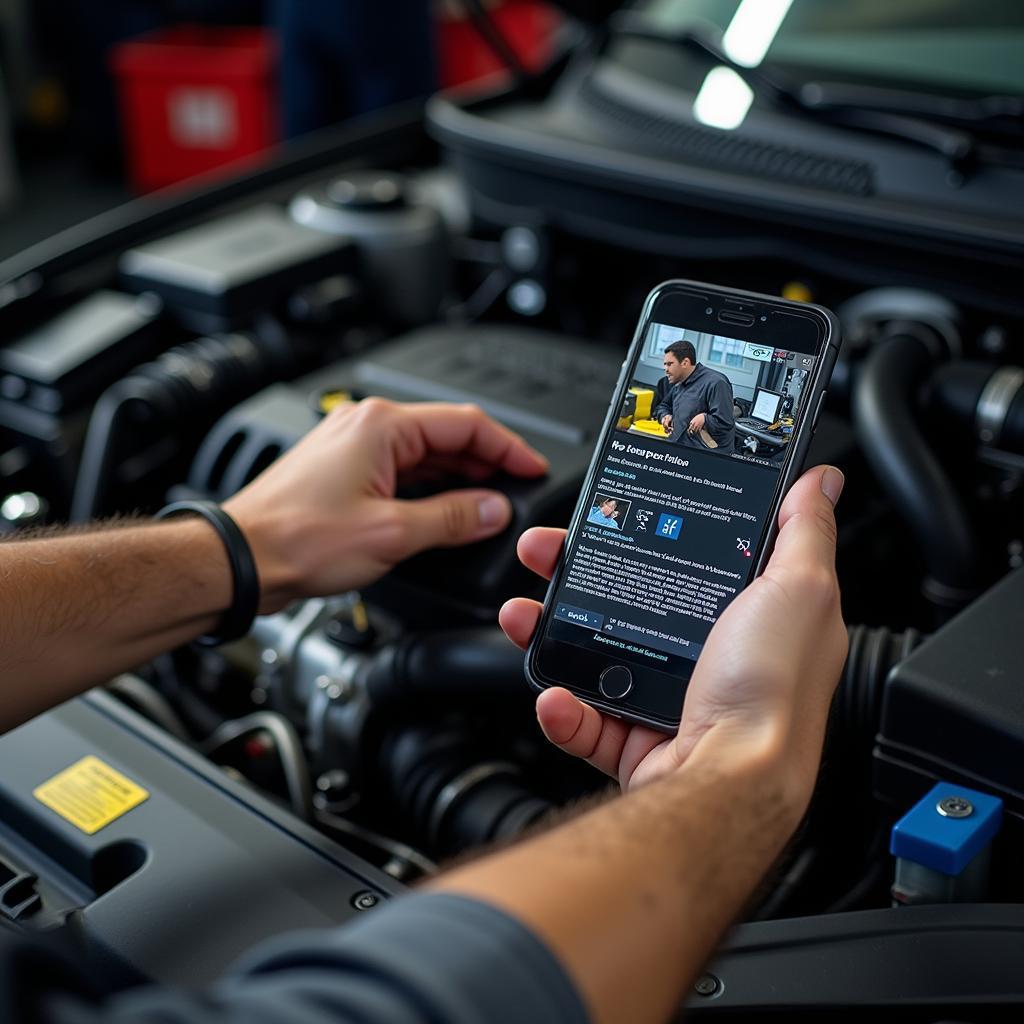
pixel 80 608
pixel 633 896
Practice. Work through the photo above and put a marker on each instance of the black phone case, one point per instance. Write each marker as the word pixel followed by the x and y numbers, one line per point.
pixel 794 467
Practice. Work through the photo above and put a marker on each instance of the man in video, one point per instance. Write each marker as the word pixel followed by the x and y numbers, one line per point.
pixel 604 512
pixel 697 411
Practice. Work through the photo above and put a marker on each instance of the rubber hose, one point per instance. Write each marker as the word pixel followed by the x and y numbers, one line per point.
pixel 454 665
pixel 884 405
pixel 858 706
pixel 101 451
pixel 988 400
pixel 185 384
pixel 453 792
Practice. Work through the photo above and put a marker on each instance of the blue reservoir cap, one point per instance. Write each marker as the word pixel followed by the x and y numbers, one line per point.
pixel 946 829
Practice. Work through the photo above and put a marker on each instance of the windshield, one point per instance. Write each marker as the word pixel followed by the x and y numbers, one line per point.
pixel 944 45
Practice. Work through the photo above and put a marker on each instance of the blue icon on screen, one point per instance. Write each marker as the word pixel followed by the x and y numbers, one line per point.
pixel 669 526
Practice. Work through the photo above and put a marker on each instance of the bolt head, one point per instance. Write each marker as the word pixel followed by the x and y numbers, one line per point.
pixel 707 985
pixel 955 807
pixel 365 900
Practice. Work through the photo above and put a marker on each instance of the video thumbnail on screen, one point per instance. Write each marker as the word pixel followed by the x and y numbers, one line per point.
pixel 715 394
pixel 608 510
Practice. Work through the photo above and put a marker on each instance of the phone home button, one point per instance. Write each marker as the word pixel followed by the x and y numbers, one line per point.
pixel 615 682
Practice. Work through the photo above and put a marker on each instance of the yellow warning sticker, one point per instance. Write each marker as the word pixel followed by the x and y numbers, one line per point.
pixel 90 794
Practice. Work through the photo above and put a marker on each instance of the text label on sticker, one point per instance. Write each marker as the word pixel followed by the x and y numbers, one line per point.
pixel 90 794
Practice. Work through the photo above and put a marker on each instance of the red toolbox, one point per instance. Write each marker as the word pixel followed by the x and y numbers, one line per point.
pixel 194 99
pixel 527 25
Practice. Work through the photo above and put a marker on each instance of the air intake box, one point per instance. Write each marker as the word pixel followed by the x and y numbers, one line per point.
pixel 954 709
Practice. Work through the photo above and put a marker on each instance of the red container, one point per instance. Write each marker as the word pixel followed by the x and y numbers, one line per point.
pixel 529 27
pixel 194 99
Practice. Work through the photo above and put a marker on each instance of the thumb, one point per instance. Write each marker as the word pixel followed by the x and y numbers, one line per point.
pixel 807 523
pixel 452 518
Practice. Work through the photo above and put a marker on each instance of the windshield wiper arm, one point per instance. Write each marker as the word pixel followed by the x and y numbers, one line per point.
pixel 996 110
pixel 922 127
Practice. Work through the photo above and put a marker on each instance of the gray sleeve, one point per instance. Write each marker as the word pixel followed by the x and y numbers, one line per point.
pixel 720 399
pixel 423 959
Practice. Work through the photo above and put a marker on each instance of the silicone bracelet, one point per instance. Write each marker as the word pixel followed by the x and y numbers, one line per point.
pixel 245 602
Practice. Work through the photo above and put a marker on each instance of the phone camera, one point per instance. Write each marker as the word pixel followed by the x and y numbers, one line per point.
pixel 709 311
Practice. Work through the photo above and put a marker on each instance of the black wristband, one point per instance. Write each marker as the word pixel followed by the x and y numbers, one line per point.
pixel 245 602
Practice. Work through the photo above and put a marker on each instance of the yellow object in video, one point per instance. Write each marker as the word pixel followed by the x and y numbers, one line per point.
pixel 650 427
pixel 644 402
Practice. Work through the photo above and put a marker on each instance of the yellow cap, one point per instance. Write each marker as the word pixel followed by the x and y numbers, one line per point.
pixel 331 399
pixel 797 291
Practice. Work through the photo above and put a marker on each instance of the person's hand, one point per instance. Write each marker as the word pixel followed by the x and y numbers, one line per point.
pixel 324 518
pixel 697 423
pixel 666 421
pixel 765 678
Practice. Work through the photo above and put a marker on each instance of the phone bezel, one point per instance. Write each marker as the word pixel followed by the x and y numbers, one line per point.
pixel 657 697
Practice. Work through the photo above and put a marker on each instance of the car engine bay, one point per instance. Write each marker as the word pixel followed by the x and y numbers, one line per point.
pixel 175 347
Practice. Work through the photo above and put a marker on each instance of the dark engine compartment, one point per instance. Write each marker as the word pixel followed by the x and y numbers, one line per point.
pixel 451 256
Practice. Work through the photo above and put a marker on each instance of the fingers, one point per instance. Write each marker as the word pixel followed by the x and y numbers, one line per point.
pixel 581 730
pixel 448 467
pixel 807 524
pixel 449 519
pixel 540 548
pixel 519 618
pixel 463 430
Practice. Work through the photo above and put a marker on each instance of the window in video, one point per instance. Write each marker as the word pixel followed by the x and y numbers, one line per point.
pixel 715 394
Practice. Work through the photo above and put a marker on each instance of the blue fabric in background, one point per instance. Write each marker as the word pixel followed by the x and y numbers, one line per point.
pixel 341 58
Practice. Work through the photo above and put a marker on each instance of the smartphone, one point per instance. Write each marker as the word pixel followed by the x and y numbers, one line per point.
pixel 708 427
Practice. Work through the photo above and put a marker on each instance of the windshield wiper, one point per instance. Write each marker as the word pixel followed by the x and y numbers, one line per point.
pixel 937 123
pixel 998 112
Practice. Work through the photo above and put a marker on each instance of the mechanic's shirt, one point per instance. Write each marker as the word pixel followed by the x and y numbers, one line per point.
pixel 706 391
pixel 598 518
pixel 421 959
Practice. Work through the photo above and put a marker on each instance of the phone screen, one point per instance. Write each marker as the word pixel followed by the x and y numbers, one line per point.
pixel 677 508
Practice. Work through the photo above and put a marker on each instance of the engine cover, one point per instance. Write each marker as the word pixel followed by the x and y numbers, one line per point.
pixel 552 389
pixel 153 863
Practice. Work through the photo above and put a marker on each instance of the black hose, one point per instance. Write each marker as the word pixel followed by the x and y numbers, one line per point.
pixel 884 408
pixel 187 385
pixel 857 711
pixel 451 667
pixel 454 792
pixel 987 400
pixel 101 452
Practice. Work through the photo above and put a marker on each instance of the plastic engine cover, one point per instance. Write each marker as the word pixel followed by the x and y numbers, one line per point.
pixel 153 862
